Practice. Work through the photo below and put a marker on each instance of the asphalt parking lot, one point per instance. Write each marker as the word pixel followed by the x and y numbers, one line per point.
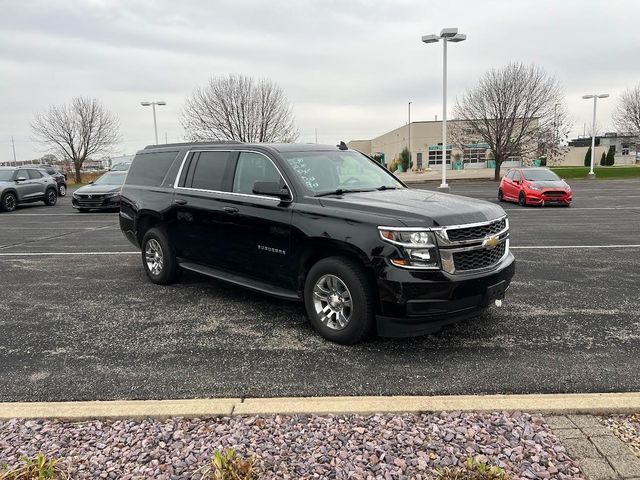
pixel 80 321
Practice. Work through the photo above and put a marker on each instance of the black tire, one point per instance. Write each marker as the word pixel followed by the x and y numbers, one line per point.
pixel 500 195
pixel 83 210
pixel 362 311
pixel 9 202
pixel 51 197
pixel 62 190
pixel 170 271
pixel 522 199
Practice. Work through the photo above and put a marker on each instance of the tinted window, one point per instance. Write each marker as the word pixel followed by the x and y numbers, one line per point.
pixel 6 175
pixel 210 170
pixel 252 168
pixel 149 169
pixel 34 174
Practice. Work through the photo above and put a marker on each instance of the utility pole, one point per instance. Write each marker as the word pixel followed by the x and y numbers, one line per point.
pixel 13 146
pixel 166 138
pixel 316 136
pixel 409 141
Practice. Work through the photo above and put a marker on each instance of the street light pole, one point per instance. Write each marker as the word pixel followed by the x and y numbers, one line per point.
pixel 595 97
pixel 155 123
pixel 446 35
pixel 409 141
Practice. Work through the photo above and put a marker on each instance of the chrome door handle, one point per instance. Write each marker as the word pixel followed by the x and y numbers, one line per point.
pixel 180 201
pixel 230 210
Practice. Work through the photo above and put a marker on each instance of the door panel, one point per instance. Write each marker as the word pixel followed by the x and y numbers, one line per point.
pixel 27 189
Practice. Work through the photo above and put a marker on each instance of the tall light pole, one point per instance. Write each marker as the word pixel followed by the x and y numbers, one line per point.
pixel 155 123
pixel 595 97
pixel 446 35
pixel 409 140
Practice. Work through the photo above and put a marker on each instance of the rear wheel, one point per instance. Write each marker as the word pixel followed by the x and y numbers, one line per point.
pixel 339 300
pixel 62 190
pixel 522 200
pixel 9 202
pixel 158 259
pixel 51 197
pixel 500 195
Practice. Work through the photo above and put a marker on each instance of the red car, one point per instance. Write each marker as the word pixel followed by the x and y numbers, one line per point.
pixel 534 186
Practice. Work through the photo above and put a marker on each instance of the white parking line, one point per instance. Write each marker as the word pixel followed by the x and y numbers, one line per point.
pixel 550 247
pixel 44 254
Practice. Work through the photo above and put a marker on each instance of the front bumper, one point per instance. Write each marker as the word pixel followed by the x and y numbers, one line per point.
pixel 546 198
pixel 416 302
pixel 109 203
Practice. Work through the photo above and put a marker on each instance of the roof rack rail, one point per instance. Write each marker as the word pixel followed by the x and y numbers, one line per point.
pixel 182 144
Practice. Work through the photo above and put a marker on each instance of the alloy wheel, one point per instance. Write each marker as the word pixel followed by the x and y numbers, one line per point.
pixel 10 203
pixel 52 196
pixel 63 190
pixel 154 257
pixel 332 302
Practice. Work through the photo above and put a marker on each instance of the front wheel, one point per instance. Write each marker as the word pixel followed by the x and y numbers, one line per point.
pixel 51 197
pixel 500 196
pixel 9 202
pixel 159 262
pixel 522 200
pixel 339 300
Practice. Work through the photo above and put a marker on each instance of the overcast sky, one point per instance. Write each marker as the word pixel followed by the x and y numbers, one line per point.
pixel 349 67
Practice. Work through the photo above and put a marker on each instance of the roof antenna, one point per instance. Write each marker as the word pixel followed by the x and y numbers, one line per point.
pixel 342 146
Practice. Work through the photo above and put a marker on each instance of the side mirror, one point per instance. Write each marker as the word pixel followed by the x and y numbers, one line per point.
pixel 21 179
pixel 272 189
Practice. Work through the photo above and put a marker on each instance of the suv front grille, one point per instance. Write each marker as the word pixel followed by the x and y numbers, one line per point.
pixel 480 258
pixel 477 232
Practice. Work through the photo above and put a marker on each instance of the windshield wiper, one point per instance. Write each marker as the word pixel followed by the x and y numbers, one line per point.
pixel 341 191
pixel 385 187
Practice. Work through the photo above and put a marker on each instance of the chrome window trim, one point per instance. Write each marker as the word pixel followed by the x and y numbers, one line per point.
pixel 204 190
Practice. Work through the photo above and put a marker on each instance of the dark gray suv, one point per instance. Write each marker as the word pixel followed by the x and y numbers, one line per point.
pixel 20 185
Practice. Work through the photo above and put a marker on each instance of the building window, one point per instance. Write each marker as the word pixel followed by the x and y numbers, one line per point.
pixel 435 154
pixel 419 161
pixel 475 152
pixel 625 149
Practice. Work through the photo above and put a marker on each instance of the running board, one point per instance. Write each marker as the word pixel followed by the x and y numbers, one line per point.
pixel 242 281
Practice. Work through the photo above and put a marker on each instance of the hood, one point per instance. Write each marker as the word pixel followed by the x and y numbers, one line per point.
pixel 558 184
pixel 418 208
pixel 99 189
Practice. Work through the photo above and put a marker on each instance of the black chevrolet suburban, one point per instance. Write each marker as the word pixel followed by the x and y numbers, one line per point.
pixel 323 225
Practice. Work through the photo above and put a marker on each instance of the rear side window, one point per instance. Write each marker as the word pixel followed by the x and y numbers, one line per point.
pixel 210 170
pixel 149 169
pixel 34 174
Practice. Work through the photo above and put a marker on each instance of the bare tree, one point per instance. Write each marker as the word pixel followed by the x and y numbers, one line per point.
pixel 627 113
pixel 237 107
pixel 508 109
pixel 77 131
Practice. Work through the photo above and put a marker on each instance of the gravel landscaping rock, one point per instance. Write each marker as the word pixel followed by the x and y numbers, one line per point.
pixel 626 428
pixel 296 447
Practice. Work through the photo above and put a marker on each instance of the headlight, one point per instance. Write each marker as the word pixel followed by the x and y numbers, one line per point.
pixel 418 248
pixel 111 195
pixel 531 186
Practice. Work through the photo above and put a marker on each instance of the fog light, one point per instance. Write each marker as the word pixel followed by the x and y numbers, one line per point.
pixel 422 255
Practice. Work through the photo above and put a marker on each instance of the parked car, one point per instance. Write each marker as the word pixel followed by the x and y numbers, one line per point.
pixel 322 225
pixel 19 185
pixel 58 176
pixel 101 194
pixel 534 186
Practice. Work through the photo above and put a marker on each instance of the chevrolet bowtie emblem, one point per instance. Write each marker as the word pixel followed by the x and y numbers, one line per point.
pixel 490 242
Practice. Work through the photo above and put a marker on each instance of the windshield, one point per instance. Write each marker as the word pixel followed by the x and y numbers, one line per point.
pixel 110 179
pixel 324 172
pixel 120 167
pixel 6 175
pixel 541 175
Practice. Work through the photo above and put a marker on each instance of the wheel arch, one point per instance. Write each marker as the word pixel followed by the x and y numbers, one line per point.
pixel 146 220
pixel 317 249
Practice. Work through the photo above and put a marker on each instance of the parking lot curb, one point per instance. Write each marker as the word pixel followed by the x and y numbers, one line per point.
pixel 558 404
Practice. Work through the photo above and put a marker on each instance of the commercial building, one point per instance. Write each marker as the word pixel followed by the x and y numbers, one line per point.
pixel 626 148
pixel 426 146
